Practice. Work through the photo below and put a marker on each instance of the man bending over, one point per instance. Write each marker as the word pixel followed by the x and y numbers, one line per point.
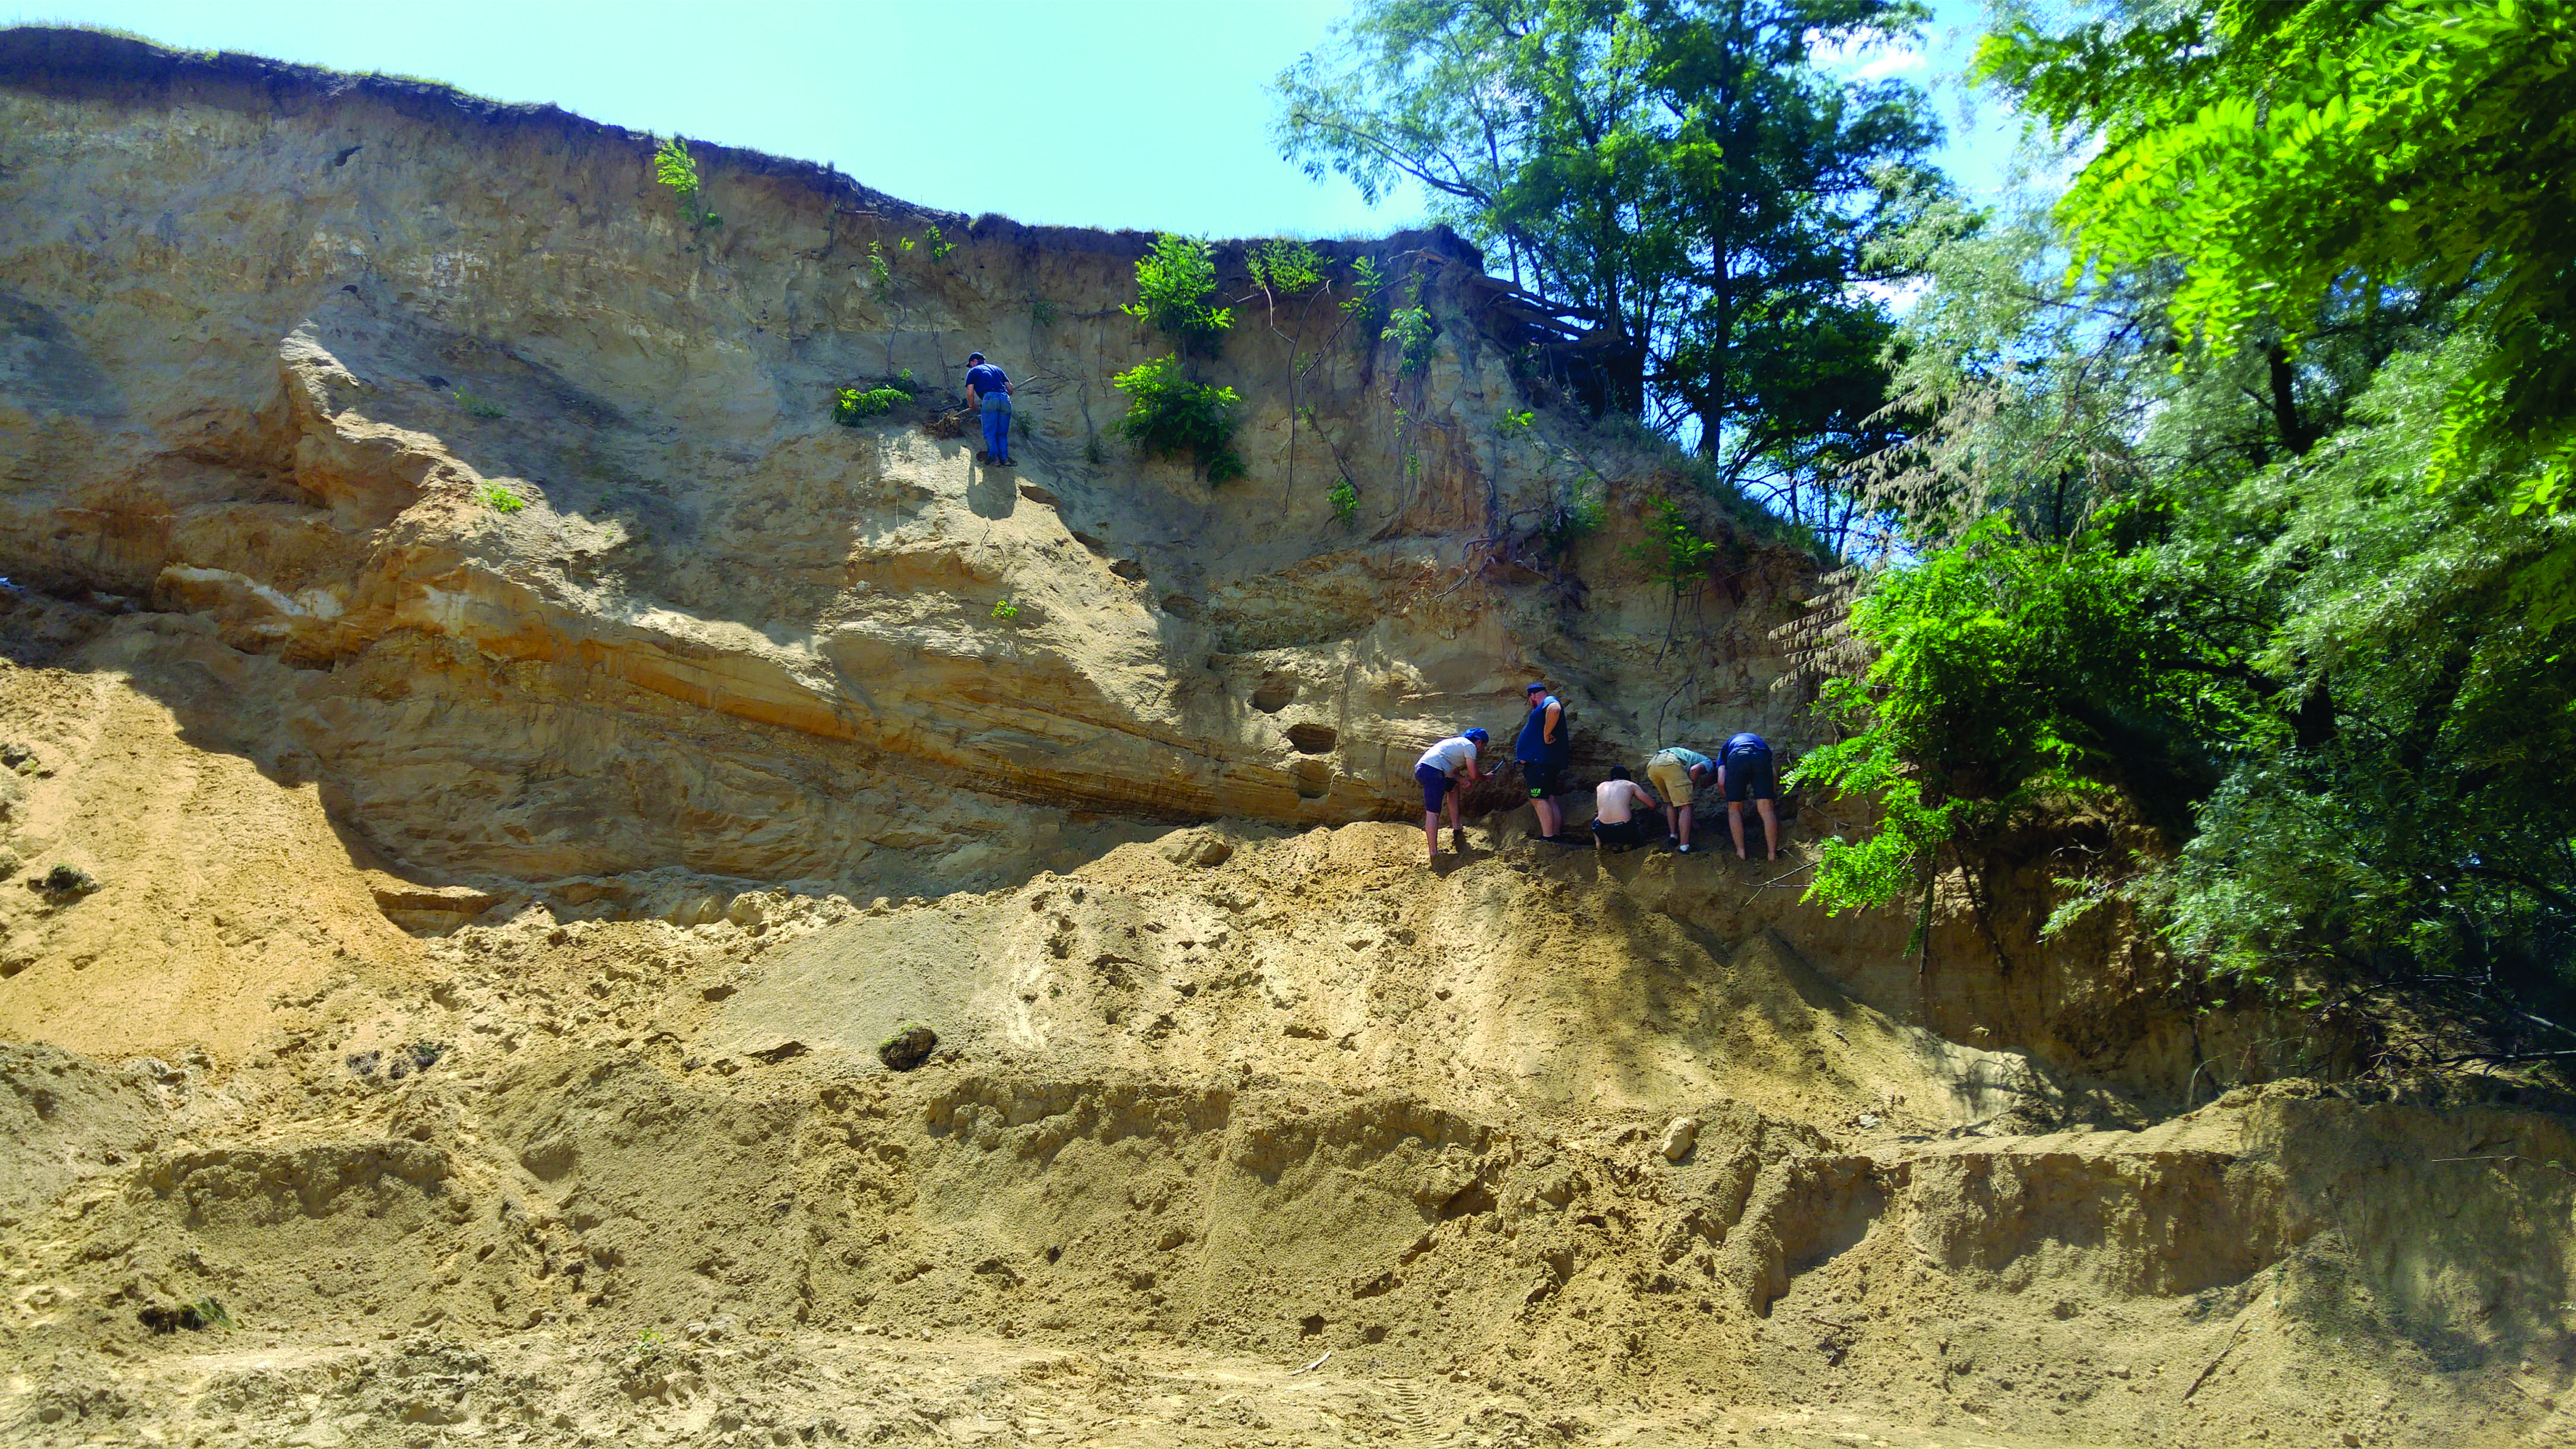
pixel 1676 771
pixel 1744 773
pixel 1438 774
pixel 988 391
pixel 1615 803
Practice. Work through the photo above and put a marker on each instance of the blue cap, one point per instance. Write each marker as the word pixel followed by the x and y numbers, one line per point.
pixel 1478 735
pixel 1535 686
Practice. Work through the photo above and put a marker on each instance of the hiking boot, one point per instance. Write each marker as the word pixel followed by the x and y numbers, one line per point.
pixel 983 457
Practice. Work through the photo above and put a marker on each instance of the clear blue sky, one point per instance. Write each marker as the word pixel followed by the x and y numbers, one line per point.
pixel 1142 113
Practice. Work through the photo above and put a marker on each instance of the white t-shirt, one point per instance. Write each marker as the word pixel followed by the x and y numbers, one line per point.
pixel 1614 802
pixel 1451 756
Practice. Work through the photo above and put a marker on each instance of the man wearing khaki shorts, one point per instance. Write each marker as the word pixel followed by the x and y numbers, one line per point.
pixel 1674 771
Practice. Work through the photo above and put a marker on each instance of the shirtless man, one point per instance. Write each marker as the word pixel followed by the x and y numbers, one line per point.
pixel 1615 803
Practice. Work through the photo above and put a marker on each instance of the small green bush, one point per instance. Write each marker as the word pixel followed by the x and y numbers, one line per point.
pixel 1576 513
pixel 1366 305
pixel 675 168
pixel 1173 284
pixel 1673 551
pixel 878 271
pixel 500 499
pixel 1411 330
pixel 1286 268
pixel 1042 312
pixel 1519 424
pixel 851 407
pixel 1346 502
pixel 478 406
pixel 1005 610
pixel 1167 413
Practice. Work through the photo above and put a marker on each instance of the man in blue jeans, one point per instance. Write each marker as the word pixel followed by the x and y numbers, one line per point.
pixel 1744 773
pixel 989 392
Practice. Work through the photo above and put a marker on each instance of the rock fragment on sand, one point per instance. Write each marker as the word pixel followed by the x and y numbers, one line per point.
pixel 1679 1137
pixel 908 1048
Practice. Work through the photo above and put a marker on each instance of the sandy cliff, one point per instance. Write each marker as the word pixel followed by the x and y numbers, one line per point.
pixel 465 1023
pixel 279 345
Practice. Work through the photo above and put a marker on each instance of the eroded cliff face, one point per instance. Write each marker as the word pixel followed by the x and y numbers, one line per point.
pixel 275 338
pixel 490 916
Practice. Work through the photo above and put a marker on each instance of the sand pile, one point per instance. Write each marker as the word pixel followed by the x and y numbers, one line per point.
pixel 1533 1161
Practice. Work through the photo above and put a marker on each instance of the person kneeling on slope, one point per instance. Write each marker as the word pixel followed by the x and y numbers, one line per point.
pixel 1438 773
pixel 1744 773
pixel 1676 771
pixel 1542 751
pixel 989 391
pixel 1615 803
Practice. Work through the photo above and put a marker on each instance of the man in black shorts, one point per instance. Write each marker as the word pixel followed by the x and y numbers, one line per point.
pixel 1744 773
pixel 1542 751
pixel 1622 809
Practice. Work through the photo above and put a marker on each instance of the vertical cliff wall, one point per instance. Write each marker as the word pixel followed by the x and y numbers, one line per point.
pixel 276 336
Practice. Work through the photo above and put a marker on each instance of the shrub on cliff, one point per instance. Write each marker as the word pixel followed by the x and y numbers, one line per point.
pixel 1415 338
pixel 851 407
pixel 675 168
pixel 1174 283
pixel 1167 414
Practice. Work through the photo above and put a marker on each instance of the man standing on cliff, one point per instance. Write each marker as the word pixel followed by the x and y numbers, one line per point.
pixel 1542 751
pixel 988 391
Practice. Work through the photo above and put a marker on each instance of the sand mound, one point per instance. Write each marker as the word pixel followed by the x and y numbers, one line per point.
pixel 1203 1109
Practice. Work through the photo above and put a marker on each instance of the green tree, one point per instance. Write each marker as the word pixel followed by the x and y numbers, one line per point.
pixel 2211 583
pixel 2286 152
pixel 1680 183
pixel 675 168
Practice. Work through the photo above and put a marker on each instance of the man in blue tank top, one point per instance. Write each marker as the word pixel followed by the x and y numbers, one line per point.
pixel 1542 751
pixel 988 391
pixel 1744 773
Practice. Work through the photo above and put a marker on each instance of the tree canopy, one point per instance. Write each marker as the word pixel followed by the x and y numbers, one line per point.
pixel 2239 497
pixel 1684 182
pixel 2288 152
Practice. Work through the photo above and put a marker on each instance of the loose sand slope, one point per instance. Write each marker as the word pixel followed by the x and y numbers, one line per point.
pixel 1207 1106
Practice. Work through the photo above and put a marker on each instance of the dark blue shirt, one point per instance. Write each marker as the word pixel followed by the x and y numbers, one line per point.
pixel 1747 744
pixel 985 377
pixel 1533 744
